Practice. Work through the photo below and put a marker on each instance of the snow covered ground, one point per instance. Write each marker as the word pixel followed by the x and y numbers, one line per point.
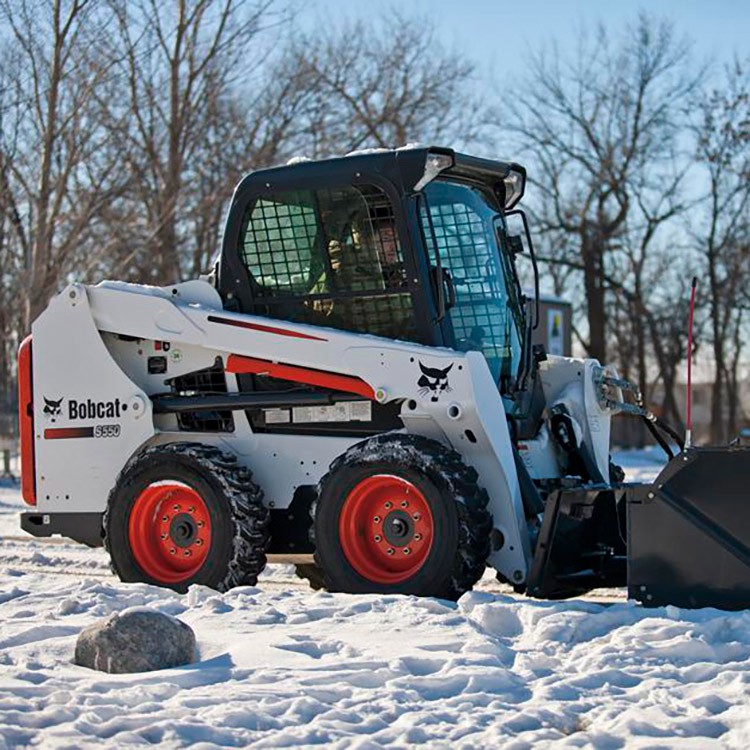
pixel 283 666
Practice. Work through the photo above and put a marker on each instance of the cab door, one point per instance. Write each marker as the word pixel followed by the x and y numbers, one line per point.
pixel 483 310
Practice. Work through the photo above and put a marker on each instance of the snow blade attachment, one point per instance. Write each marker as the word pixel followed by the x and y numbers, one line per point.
pixel 689 532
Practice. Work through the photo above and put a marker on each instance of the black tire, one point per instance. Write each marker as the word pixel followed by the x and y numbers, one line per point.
pixel 312 574
pixel 239 521
pixel 461 522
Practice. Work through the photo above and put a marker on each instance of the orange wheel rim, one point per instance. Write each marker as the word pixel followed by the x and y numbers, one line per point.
pixel 386 529
pixel 169 532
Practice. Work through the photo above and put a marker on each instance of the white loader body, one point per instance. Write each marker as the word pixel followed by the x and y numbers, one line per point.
pixel 92 399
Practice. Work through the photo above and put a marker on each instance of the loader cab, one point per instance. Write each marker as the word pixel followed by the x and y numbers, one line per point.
pixel 408 244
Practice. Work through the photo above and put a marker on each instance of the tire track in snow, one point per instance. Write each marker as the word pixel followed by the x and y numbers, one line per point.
pixel 274 577
pixel 37 540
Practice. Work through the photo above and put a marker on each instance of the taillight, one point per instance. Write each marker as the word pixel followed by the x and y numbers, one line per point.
pixel 26 422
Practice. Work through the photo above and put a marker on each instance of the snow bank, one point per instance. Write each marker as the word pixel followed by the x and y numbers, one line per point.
pixel 286 667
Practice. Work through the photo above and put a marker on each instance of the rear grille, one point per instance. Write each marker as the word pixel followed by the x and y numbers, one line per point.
pixel 203 382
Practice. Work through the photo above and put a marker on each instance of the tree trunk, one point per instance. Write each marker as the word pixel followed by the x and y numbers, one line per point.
pixel 670 407
pixel 717 394
pixel 733 380
pixel 595 298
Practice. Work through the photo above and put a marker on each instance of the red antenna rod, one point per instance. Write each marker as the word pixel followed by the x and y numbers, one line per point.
pixel 689 409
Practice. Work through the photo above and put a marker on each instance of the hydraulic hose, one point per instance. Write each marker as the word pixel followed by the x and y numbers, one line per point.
pixel 671 432
pixel 658 437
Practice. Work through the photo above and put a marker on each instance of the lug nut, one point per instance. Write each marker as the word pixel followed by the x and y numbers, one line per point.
pixel 390 550
pixel 163 536
pixel 187 553
pixel 165 518
pixel 377 537
pixel 172 551
pixel 388 505
pixel 200 524
pixel 416 516
pixel 175 507
pixel 199 542
pixel 191 509
pixel 376 519
pixel 406 550
pixel 404 504
pixel 417 537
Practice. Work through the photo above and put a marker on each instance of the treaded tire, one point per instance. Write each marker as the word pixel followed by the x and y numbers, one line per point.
pixel 312 574
pixel 462 524
pixel 239 521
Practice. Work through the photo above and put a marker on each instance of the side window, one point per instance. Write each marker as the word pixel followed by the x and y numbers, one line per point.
pixel 279 246
pixel 329 257
pixel 361 241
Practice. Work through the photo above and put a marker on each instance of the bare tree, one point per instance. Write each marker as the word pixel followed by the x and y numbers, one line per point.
pixel 653 271
pixel 55 173
pixel 179 62
pixel 723 135
pixel 12 234
pixel 356 86
pixel 382 84
pixel 595 124
pixel 254 124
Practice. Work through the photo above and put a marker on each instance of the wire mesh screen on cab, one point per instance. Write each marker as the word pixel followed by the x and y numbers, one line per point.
pixel 329 257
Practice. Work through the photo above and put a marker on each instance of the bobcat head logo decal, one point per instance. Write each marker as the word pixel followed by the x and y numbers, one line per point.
pixel 434 382
pixel 52 408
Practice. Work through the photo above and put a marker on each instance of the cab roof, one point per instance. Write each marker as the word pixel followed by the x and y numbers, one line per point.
pixel 403 167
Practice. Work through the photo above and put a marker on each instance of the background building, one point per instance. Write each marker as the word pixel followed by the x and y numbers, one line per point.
pixel 555 326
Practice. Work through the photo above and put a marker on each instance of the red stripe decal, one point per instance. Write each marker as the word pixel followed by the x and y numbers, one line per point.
pixel 61 433
pixel 263 329
pixel 249 366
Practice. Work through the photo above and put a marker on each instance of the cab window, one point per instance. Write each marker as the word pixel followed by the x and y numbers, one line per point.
pixel 329 257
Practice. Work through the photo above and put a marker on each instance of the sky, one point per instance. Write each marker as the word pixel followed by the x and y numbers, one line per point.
pixel 497 34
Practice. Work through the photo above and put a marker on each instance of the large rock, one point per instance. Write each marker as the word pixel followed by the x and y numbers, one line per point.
pixel 136 640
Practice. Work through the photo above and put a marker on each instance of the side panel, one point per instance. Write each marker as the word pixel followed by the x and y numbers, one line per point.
pixel 492 456
pixel 571 381
pixel 464 410
pixel 26 421
pixel 89 418
pixel 280 463
pixel 598 420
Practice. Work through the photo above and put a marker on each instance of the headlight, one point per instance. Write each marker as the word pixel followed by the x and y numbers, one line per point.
pixel 515 183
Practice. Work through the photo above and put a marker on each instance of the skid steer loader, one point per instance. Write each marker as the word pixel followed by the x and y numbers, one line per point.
pixel 355 380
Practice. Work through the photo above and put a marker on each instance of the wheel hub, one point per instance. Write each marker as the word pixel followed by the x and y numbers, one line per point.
pixel 398 528
pixel 183 530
